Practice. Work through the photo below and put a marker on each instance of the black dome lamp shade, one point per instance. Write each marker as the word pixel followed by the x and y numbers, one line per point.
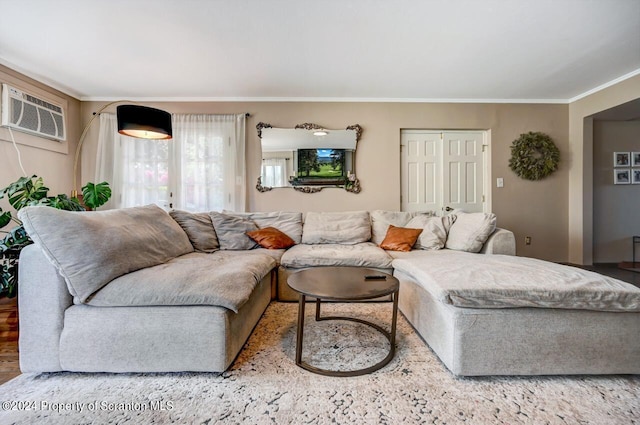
pixel 144 122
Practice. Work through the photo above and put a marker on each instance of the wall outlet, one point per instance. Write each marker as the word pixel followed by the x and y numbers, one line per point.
pixel 499 182
pixel 527 240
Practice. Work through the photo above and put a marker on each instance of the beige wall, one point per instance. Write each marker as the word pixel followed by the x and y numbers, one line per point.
pixel 45 158
pixel 536 209
pixel 615 207
pixel 580 237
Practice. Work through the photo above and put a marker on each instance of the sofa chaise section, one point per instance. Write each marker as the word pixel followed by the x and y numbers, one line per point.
pixel 503 315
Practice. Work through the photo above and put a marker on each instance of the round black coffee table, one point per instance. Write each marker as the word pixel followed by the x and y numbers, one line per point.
pixel 343 284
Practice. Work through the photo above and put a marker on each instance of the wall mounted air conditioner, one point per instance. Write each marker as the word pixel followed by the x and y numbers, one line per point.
pixel 32 114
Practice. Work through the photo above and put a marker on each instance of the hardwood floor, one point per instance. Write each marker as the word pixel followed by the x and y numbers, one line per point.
pixel 9 363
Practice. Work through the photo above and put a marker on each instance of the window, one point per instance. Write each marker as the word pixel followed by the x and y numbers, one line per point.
pixel 200 169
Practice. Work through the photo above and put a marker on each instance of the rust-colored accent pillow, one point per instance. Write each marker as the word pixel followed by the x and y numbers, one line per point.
pixel 400 238
pixel 271 238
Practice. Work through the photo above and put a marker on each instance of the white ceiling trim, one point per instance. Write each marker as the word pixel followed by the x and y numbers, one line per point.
pixel 605 85
pixel 318 99
pixel 41 79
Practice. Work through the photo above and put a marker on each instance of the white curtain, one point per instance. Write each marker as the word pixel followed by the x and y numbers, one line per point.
pixel 274 172
pixel 201 169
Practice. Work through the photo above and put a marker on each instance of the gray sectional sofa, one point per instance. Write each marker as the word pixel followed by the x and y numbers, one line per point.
pixel 140 290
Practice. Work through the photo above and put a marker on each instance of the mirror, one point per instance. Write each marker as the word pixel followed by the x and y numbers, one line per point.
pixel 308 158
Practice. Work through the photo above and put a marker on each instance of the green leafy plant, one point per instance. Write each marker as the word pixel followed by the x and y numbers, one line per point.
pixel 28 191
pixel 95 195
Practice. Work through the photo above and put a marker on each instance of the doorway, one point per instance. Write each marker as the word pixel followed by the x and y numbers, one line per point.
pixel 443 170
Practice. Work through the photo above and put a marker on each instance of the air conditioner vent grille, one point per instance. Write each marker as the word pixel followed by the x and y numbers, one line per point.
pixel 29 117
pixel 16 107
pixel 28 113
pixel 42 103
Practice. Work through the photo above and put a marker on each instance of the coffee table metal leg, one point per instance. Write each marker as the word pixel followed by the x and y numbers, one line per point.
pixel 317 309
pixel 300 330
pixel 394 320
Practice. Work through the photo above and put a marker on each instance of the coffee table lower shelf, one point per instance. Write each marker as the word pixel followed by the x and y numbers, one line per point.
pixel 391 337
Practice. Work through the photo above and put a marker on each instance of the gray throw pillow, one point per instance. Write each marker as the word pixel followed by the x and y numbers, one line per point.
pixel 434 231
pixel 470 231
pixel 199 229
pixel 92 248
pixel 232 231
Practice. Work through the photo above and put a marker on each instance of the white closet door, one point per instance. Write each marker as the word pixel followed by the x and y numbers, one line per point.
pixel 442 171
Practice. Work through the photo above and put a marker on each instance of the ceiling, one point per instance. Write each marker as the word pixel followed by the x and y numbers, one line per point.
pixel 378 50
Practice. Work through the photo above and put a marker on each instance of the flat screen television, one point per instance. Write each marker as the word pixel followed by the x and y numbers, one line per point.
pixel 321 166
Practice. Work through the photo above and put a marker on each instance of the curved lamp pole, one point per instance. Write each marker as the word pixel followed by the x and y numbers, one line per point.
pixel 134 120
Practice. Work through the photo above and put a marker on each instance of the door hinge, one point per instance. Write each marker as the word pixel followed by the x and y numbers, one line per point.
pixel 484 148
pixel 482 198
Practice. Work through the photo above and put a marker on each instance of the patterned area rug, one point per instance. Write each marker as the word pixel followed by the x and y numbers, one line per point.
pixel 264 386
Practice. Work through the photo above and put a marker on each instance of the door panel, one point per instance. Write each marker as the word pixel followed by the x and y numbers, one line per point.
pixel 464 184
pixel 420 171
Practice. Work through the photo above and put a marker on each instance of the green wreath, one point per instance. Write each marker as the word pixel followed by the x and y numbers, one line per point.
pixel 534 156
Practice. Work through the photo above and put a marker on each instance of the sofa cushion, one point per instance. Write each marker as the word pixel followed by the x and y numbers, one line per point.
pixel 478 281
pixel 365 254
pixel 435 230
pixel 276 254
pixel 336 228
pixel 90 249
pixel 219 279
pixel 199 229
pixel 470 231
pixel 232 231
pixel 271 238
pixel 400 238
pixel 381 219
pixel 289 223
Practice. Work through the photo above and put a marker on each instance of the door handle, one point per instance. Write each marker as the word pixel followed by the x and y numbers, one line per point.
pixel 448 208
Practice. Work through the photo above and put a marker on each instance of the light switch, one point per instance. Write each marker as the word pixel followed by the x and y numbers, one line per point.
pixel 499 182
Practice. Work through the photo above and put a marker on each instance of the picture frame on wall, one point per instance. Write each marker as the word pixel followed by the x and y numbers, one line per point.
pixel 635 159
pixel 621 159
pixel 635 175
pixel 621 176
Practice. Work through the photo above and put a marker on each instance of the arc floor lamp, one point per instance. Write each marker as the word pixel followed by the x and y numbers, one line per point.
pixel 137 121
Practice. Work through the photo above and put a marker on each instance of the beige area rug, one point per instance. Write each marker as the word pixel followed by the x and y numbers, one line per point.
pixel 264 386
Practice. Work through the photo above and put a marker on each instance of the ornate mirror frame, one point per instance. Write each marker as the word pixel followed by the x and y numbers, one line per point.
pixel 352 185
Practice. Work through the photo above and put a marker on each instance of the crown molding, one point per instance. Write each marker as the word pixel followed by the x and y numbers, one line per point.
pixel 319 99
pixel 605 85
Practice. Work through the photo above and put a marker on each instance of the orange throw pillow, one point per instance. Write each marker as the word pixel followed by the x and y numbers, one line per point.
pixel 271 238
pixel 400 238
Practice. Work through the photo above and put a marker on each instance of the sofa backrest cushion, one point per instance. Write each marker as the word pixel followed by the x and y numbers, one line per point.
pixel 470 231
pixel 232 231
pixel 381 219
pixel 90 249
pixel 346 228
pixel 435 230
pixel 199 229
pixel 289 223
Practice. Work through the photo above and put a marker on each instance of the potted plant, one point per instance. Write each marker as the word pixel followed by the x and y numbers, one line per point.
pixel 28 191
